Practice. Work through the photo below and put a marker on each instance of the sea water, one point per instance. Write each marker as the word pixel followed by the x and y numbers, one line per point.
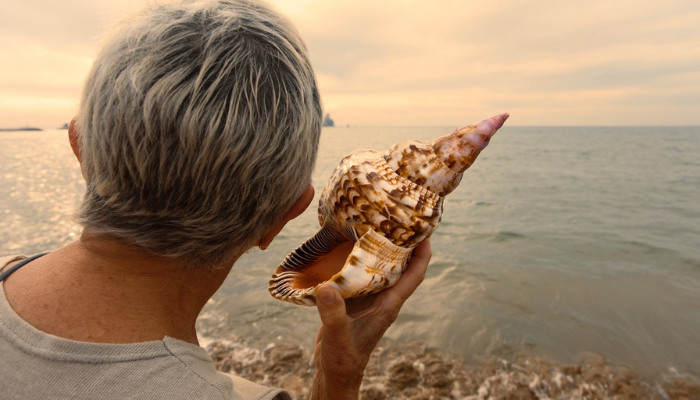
pixel 559 241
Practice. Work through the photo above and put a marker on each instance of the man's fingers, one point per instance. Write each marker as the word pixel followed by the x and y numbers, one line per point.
pixel 415 272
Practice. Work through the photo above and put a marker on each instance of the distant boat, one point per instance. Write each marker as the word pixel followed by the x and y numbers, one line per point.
pixel 19 129
pixel 327 121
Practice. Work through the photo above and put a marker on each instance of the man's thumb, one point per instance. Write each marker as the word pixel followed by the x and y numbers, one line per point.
pixel 331 308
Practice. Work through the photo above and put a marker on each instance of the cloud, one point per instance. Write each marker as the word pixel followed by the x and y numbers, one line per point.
pixel 399 62
pixel 47 49
pixel 524 56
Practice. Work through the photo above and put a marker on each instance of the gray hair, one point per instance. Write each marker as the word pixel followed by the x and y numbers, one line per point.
pixel 199 127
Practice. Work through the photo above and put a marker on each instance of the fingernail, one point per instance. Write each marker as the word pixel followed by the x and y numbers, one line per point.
pixel 327 296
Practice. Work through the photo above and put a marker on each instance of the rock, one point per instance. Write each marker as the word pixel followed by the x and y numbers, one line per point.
pixel 402 374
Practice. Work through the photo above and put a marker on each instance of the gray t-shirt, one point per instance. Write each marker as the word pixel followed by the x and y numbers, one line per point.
pixel 36 365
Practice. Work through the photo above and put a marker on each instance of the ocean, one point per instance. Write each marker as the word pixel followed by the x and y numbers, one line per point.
pixel 560 241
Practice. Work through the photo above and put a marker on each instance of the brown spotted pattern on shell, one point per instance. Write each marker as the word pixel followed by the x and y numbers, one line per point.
pixel 374 210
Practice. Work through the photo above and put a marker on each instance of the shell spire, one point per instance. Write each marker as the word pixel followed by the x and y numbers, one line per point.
pixel 375 208
pixel 459 149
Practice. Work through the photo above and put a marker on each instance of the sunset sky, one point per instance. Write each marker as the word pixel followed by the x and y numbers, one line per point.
pixel 405 62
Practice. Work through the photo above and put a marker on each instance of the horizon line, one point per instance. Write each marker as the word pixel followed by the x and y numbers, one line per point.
pixel 32 128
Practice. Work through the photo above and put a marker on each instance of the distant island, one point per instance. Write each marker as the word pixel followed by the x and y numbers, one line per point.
pixel 19 129
pixel 65 126
pixel 327 121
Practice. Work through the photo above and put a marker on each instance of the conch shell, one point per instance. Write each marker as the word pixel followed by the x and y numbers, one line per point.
pixel 375 209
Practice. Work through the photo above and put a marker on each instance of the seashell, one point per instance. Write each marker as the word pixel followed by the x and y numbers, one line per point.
pixel 374 210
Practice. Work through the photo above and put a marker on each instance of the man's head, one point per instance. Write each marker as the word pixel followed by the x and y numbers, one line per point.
pixel 199 127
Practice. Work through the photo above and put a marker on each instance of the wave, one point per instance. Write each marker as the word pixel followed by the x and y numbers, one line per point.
pixel 503 236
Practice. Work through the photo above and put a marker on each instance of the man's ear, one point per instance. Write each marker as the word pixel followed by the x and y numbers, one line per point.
pixel 296 210
pixel 74 138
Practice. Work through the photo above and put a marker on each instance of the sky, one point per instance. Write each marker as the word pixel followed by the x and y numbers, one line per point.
pixel 413 63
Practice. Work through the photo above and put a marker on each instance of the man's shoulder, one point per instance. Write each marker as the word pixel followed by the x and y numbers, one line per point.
pixel 37 366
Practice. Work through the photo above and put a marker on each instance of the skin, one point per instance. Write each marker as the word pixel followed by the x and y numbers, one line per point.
pixel 103 290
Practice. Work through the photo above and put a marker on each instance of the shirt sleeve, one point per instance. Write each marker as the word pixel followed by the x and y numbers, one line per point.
pixel 248 390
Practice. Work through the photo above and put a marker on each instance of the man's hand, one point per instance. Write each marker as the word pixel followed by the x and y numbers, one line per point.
pixel 351 329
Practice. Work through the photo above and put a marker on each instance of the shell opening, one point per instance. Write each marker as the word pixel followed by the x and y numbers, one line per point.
pixel 322 269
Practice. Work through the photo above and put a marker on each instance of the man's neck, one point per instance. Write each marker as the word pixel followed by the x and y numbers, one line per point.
pixel 102 290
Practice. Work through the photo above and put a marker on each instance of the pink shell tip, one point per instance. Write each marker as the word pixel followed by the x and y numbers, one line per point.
pixel 489 126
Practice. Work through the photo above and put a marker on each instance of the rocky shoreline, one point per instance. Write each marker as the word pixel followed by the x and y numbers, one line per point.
pixel 414 371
